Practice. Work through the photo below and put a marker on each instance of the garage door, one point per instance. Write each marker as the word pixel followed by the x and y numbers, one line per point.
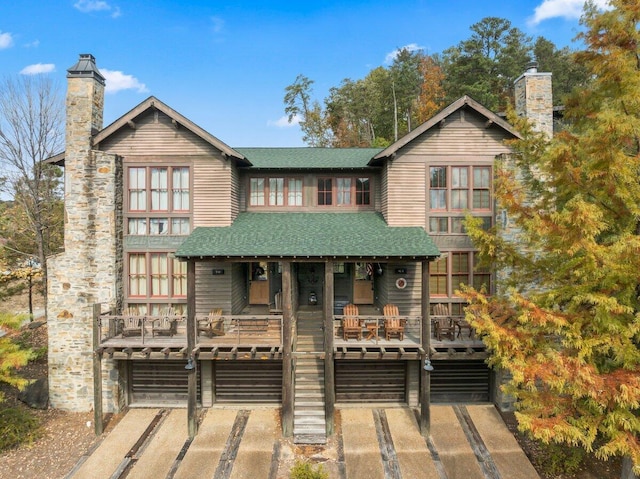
pixel 246 382
pixel 370 381
pixel 159 383
pixel 460 381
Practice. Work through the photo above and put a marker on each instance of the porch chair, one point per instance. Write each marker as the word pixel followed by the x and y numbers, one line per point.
pixel 165 324
pixel 213 324
pixel 393 324
pixel 130 323
pixel 442 323
pixel 276 306
pixel 463 324
pixel 351 322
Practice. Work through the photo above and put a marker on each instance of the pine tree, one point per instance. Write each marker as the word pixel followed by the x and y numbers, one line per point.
pixel 565 321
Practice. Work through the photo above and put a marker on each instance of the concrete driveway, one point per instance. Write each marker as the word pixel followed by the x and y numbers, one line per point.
pixel 466 442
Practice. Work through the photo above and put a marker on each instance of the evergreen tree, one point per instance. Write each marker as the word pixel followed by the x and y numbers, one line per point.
pixel 565 321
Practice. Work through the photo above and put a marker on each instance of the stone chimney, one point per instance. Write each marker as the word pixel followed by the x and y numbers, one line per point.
pixel 87 272
pixel 534 98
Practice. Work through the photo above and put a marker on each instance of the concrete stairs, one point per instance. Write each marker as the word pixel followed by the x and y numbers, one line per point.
pixel 309 425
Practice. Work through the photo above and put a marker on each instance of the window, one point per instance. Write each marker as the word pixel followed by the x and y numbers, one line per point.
pixel 363 191
pixel 137 189
pixel 456 268
pixel 275 191
pixel 438 225
pixel 294 195
pixel 438 277
pixel 438 188
pixel 155 195
pixel 481 188
pixel 156 275
pixel 256 194
pixel 343 191
pixel 460 188
pixel 137 275
pixel 325 191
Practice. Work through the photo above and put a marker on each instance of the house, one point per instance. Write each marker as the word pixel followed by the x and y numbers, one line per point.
pixel 196 273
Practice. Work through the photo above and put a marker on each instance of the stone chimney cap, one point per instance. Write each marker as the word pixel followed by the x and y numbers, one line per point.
pixel 86 67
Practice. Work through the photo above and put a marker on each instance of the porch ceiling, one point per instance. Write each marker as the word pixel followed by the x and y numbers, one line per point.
pixel 312 235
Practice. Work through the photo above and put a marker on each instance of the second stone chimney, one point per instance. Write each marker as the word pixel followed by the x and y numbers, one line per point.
pixel 534 98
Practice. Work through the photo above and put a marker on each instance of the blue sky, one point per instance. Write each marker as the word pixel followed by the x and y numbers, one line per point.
pixel 225 64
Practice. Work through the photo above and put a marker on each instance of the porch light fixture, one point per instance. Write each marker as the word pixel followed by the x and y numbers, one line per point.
pixel 190 364
pixel 427 365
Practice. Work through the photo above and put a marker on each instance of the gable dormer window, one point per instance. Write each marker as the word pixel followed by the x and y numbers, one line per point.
pixel 275 191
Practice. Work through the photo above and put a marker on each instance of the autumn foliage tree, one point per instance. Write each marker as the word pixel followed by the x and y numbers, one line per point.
pixel 565 321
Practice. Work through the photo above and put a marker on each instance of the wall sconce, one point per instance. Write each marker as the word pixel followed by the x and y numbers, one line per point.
pixel 427 365
pixel 190 364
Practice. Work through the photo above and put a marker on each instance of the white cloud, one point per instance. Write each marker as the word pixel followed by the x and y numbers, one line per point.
pixel 33 44
pixel 88 6
pixel 217 24
pixel 283 121
pixel 37 68
pixel 116 81
pixel 6 40
pixel 568 9
pixel 412 47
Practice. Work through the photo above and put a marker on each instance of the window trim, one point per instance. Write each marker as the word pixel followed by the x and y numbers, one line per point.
pixel 266 191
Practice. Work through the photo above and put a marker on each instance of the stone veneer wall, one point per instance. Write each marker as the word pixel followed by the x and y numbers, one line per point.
pixel 90 269
pixel 534 100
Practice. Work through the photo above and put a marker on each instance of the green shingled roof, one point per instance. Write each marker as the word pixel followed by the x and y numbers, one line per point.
pixel 304 235
pixel 309 157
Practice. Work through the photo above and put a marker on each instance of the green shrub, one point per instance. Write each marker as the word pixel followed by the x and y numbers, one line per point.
pixel 17 426
pixel 304 470
pixel 561 458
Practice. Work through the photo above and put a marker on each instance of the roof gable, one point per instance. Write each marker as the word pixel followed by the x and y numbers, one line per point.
pixel 129 118
pixel 464 102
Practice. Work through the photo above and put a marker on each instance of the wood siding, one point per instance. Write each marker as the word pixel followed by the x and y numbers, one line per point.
pixel 408 299
pixel 406 194
pixel 213 291
pixel 154 134
pixel 215 186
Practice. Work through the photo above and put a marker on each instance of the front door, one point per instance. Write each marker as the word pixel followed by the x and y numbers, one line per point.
pixel 310 283
pixel 259 284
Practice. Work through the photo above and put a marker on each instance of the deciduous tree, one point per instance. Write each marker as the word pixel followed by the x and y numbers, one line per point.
pixel 565 321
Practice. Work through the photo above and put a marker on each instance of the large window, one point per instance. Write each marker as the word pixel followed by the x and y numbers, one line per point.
pixel 158 200
pixel 344 191
pixel 156 275
pixel 454 269
pixel 453 192
pixel 275 191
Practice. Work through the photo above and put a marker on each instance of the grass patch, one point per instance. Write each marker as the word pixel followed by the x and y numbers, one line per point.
pixel 304 470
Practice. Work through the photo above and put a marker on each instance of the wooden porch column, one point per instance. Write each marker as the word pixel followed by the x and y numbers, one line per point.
pixel 329 381
pixel 97 373
pixel 425 376
pixel 287 346
pixel 192 383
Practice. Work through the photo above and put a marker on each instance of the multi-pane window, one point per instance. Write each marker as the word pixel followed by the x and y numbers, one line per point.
pixel 294 194
pixel 155 195
pixel 363 191
pixel 460 188
pixel 256 193
pixel 454 224
pixel 457 268
pixel 438 277
pixel 325 191
pixel 481 187
pixel 137 274
pixel 343 191
pixel 438 188
pixel 137 189
pixel 275 191
pixel 156 275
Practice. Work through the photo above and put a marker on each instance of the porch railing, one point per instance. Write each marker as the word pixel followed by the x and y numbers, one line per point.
pixel 236 329
pixel 373 328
